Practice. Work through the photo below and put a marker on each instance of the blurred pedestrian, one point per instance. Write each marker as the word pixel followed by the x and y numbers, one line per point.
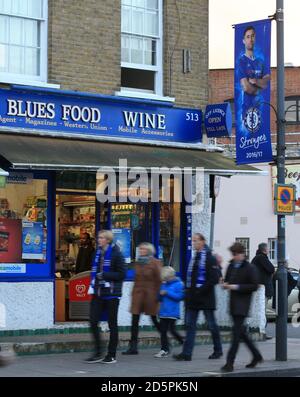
pixel 241 280
pixel 202 276
pixel 108 273
pixel 145 292
pixel 265 271
pixel 171 293
pixel 85 254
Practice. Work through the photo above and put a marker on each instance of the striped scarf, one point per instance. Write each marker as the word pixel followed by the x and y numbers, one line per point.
pixel 201 277
pixel 97 264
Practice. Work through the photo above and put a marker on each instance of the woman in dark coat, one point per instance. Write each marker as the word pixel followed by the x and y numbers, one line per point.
pixel 241 280
pixel 145 291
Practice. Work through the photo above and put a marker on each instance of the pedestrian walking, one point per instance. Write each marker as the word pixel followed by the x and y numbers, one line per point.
pixel 241 280
pixel 265 271
pixel 145 292
pixel 202 276
pixel 171 293
pixel 108 273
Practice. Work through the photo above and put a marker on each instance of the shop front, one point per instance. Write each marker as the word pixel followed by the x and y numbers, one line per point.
pixel 52 144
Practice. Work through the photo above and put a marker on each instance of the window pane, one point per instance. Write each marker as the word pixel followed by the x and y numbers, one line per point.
pixel 126 23
pixel 151 23
pixel 16 31
pixel 126 2
pixel 137 21
pixel 291 111
pixel 150 51
pixel 138 79
pixel 15 6
pixel 138 3
pixel 35 8
pixel 5 6
pixel 32 61
pixel 125 49
pixel 136 50
pixel 31 33
pixel 152 4
pixel 16 59
pixel 3 29
pixel 3 57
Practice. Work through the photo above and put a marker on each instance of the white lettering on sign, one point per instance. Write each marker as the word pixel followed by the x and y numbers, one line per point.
pixel 40 110
pixel 77 113
pixel 145 120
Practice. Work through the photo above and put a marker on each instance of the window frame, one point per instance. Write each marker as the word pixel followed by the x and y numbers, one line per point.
pixel 158 68
pixel 14 78
pixel 296 99
pixel 271 250
pixel 247 247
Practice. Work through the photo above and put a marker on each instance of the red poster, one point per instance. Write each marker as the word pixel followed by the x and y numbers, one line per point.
pixel 10 240
pixel 78 289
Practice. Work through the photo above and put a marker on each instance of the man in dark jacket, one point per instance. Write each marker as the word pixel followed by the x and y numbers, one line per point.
pixel 202 276
pixel 85 254
pixel 265 270
pixel 108 273
pixel 241 281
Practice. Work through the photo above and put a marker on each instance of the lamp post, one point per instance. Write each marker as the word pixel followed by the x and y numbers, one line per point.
pixel 281 282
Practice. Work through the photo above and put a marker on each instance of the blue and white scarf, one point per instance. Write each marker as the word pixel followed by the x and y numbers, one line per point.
pixel 201 277
pixel 96 262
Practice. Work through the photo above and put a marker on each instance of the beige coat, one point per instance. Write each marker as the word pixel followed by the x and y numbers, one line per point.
pixel 146 288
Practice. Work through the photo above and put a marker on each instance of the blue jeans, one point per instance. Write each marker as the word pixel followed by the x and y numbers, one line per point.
pixel 191 327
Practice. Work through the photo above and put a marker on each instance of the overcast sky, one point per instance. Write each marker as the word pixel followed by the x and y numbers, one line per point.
pixel 225 13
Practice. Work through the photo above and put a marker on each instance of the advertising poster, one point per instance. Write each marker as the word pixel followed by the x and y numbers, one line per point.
pixel 292 177
pixel 10 240
pixel 32 240
pixel 122 237
pixel 252 92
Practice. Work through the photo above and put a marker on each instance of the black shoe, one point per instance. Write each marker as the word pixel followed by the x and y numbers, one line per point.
pixel 227 368
pixel 96 358
pixel 108 360
pixel 215 356
pixel 254 362
pixel 130 351
pixel 182 357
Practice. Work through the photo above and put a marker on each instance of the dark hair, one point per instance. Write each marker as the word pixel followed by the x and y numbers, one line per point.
pixel 262 246
pixel 88 236
pixel 248 28
pixel 200 236
pixel 237 248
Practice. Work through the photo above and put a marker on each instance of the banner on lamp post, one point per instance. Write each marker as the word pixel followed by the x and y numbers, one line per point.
pixel 252 92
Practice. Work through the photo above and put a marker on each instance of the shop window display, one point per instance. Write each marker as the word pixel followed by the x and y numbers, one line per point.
pixel 23 220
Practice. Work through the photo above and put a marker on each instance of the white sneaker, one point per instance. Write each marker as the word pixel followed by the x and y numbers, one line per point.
pixel 161 354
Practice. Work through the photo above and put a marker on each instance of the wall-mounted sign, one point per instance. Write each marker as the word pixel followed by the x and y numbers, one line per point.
pixel 218 120
pixel 94 115
pixel 284 199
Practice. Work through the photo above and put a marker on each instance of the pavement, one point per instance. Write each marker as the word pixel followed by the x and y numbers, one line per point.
pixel 146 365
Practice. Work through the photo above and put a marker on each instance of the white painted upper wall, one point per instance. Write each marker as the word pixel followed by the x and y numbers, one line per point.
pixel 251 197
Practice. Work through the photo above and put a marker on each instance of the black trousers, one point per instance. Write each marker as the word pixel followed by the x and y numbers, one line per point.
pixel 97 307
pixel 168 324
pixel 135 326
pixel 238 333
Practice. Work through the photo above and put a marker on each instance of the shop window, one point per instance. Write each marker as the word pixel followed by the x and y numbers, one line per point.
pixel 245 241
pixel 141 45
pixel 23 220
pixel 292 110
pixel 75 218
pixel 23 40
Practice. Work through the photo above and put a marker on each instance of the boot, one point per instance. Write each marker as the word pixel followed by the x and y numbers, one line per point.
pixel 132 348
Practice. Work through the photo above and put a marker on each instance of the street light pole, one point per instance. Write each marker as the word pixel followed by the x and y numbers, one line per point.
pixel 281 293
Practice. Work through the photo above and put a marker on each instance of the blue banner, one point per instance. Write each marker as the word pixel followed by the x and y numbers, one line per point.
pixel 252 92
pixel 96 115
pixel 218 120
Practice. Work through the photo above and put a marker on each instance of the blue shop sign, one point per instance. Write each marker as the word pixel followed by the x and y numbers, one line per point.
pixel 98 116
pixel 218 120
